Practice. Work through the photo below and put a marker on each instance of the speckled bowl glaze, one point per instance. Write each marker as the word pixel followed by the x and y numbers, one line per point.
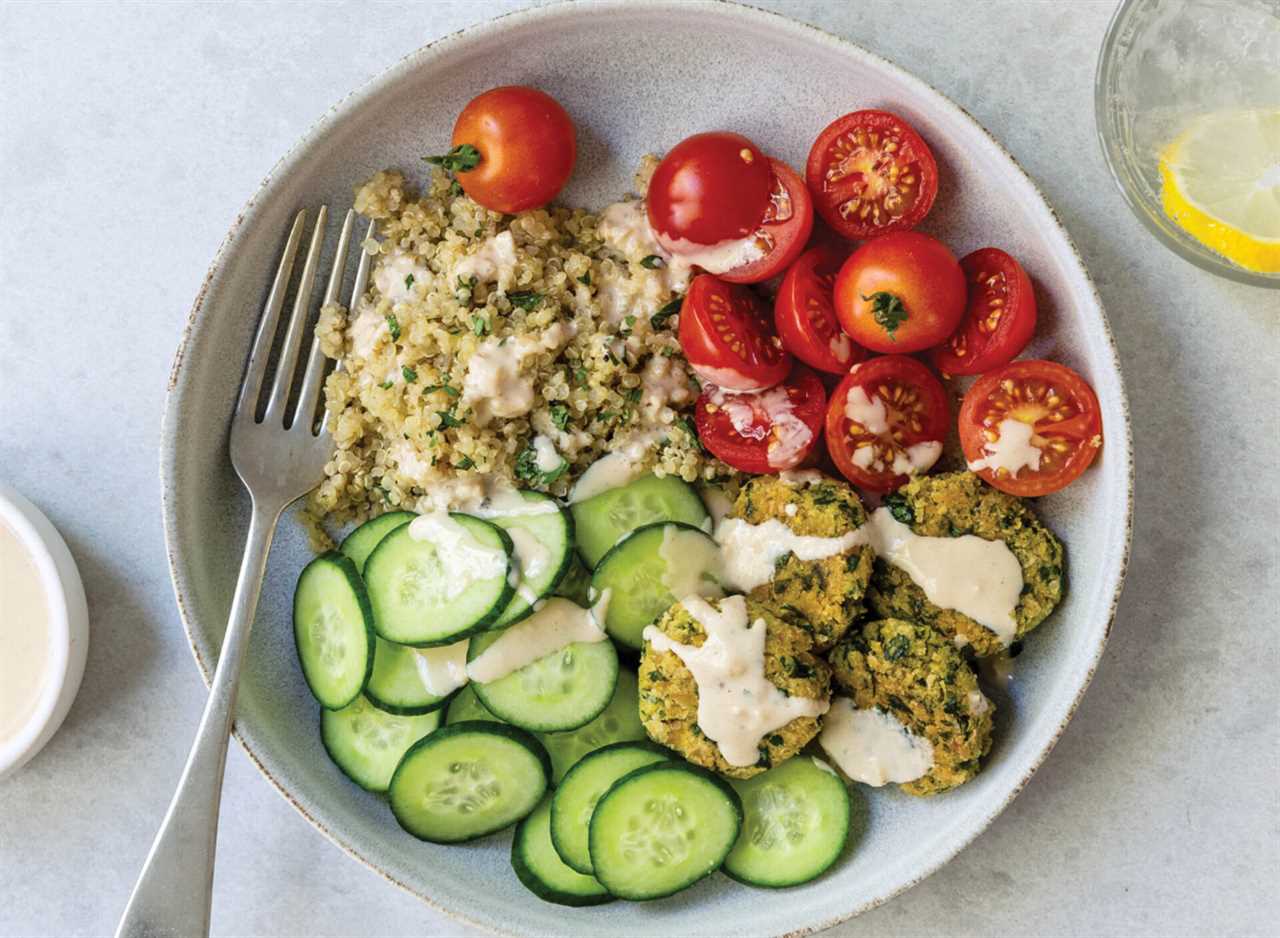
pixel 637 77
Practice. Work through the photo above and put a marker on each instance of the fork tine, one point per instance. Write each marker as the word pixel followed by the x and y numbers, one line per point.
pixel 357 291
pixel 251 386
pixel 313 378
pixel 297 324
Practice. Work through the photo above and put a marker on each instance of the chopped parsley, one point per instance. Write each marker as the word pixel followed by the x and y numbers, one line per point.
pixel 393 325
pixel 447 388
pixel 652 262
pixel 387 384
pixel 408 282
pixel 467 283
pixel 527 300
pixel 409 374
pixel 460 159
pixel 659 319
pixel 479 325
pixel 455 189
pixel 466 462
pixel 447 419
pixel 527 469
pixel 585 279
pixel 898 507
pixel 887 310
pixel 560 416
pixel 580 375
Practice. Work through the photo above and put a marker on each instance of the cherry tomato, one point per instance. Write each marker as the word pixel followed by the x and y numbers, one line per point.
pixel 783 232
pixel 998 321
pixel 526 147
pixel 870 173
pixel 727 336
pixel 901 292
pixel 710 188
pixel 764 431
pixel 806 318
pixel 886 421
pixel 1031 427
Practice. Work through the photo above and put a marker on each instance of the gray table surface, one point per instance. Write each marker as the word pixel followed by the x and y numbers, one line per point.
pixel 130 135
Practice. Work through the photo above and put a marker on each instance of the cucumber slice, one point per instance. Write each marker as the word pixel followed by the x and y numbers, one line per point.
pixel 661 828
pixel 542 533
pixel 575 800
pixel 359 544
pixel 333 630
pixel 437 590
pixel 543 872
pixel 618 722
pixel 651 569
pixel 465 705
pixel 796 824
pixel 603 520
pixel 368 743
pixel 559 691
pixel 577 581
pixel 468 780
pixel 409 681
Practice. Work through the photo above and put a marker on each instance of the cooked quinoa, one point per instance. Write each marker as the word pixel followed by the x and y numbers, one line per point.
pixel 958 503
pixel 823 596
pixel 916 674
pixel 493 347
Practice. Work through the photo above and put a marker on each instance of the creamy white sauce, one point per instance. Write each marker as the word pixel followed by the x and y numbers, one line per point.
pixel 1012 450
pixel 662 382
pixel 872 415
pixel 918 458
pixel 977 702
pixel 868 412
pixel 545 456
pixel 367 330
pixel 767 414
pixel 718 504
pixel 737 704
pixel 977 577
pixel 751 551
pixel 726 379
pixel 532 559
pixel 621 467
pixel 495 385
pixel 442 670
pixel 494 260
pixel 391 277
pixel 801 478
pixel 460 493
pixel 841 348
pixel 719 257
pixel 463 559
pixel 24 635
pixel 558 624
pixel 508 503
pixel 624 226
pixel 692 563
pixel 872 747
pixel 410 462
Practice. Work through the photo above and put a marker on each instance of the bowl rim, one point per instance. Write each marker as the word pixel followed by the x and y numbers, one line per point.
pixel 68 626
pixel 1119 440
pixel 1172 237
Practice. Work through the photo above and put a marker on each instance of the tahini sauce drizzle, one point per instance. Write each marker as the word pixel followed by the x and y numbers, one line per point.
pixel 557 624
pixel 872 747
pixel 737 704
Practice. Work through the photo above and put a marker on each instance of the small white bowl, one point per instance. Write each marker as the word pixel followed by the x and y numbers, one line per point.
pixel 68 626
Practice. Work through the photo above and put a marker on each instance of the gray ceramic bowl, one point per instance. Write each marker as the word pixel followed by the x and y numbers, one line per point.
pixel 636 77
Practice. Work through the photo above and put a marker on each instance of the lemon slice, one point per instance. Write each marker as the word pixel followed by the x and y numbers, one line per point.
pixel 1221 183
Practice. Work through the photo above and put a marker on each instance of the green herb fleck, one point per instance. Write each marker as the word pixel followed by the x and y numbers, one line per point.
pixel 527 300
pixel 466 462
pixel 409 374
pixel 560 416
pixel 467 283
pixel 393 326
pixel 460 159
pixel 479 326
pixel 527 469
pixel 896 647
pixel 585 279
pixel 387 384
pixel 887 310
pixel 447 388
pixel 455 189
pixel 899 508
pixel 580 375
pixel 447 419
pixel 659 319
pixel 408 282
pixel 652 262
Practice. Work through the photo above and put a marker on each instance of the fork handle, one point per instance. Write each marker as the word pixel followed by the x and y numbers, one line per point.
pixel 173 893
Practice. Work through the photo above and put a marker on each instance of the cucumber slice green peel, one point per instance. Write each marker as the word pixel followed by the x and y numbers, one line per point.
pixel 543 873
pixel 359 544
pixel 618 722
pixel 333 630
pixel 603 520
pixel 367 743
pixel 543 550
pixel 467 780
pixel 661 828
pixel 796 824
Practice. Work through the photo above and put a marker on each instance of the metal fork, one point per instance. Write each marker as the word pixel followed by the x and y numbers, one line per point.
pixel 279 457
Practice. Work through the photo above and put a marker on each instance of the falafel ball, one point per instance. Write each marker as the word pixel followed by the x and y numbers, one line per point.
pixel 916 674
pixel 958 503
pixel 824 596
pixel 669 693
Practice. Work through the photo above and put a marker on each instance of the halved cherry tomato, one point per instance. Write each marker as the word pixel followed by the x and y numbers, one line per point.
pixel 806 318
pixel 526 146
pixel 709 188
pixel 870 173
pixel 886 421
pixel 764 431
pixel 784 231
pixel 726 334
pixel 1031 427
pixel 999 319
pixel 901 292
